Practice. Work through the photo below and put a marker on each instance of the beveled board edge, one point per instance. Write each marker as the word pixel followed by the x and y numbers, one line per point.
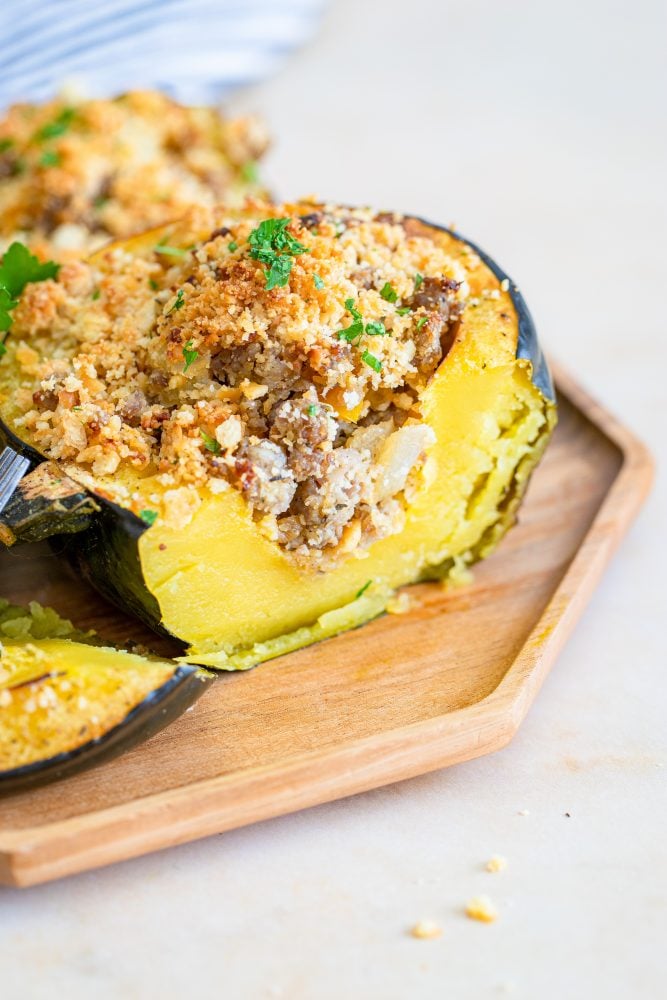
pixel 214 805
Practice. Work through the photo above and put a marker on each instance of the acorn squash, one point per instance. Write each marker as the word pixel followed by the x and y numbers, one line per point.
pixel 219 581
pixel 67 702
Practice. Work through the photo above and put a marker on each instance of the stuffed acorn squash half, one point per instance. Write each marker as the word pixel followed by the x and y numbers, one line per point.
pixel 256 424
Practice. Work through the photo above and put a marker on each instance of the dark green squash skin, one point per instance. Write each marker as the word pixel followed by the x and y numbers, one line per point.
pixel 157 710
pixel 107 552
pixel 528 346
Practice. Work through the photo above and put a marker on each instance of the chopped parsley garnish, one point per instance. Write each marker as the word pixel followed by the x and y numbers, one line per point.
pixel 179 302
pixel 363 590
pixel 404 310
pixel 7 303
pixel 249 172
pixel 58 126
pixel 421 321
pixel 233 246
pixel 419 280
pixel 190 354
pixel 3 349
pixel 50 158
pixel 318 282
pixel 148 516
pixel 152 283
pixel 6 144
pixel 354 332
pixel 18 268
pixel 209 442
pixel 170 251
pixel 273 246
pixel 100 201
pixel 372 361
pixel 388 292
pixel 356 329
pixel 312 410
pixel 96 294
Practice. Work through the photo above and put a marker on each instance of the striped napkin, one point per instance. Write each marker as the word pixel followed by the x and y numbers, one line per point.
pixel 195 50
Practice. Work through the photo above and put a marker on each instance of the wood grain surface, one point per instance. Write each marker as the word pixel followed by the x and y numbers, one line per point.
pixel 405 694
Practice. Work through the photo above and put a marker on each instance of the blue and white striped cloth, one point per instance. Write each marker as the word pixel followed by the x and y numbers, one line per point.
pixel 195 50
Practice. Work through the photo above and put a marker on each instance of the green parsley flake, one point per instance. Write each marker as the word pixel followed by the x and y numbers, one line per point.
pixel 363 590
pixel 58 126
pixel 249 172
pixel 312 410
pixel 233 246
pixel 179 302
pixel 148 516
pixel 7 303
pixel 354 332
pixel 3 349
pixel 96 294
pixel 170 251
pixel 209 442
pixel 152 283
pixel 404 310
pixel 388 292
pixel 372 361
pixel 6 144
pixel 18 268
pixel 421 321
pixel 419 280
pixel 190 354
pixel 51 158
pixel 273 246
pixel 318 282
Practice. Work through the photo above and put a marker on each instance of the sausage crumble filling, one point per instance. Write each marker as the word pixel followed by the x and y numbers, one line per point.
pixel 280 351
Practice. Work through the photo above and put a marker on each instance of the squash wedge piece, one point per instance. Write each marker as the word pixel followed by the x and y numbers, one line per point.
pixel 66 704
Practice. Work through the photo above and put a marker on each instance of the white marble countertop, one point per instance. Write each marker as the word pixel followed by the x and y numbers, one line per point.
pixel 540 129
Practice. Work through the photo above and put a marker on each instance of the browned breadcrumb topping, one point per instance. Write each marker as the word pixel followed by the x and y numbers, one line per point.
pixel 72 175
pixel 180 362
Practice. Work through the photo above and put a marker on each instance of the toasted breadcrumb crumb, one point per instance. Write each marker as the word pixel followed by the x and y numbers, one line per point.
pixel 481 908
pixel 426 930
pixel 497 863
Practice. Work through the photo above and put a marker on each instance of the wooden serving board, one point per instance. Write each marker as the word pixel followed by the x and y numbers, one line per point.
pixel 406 694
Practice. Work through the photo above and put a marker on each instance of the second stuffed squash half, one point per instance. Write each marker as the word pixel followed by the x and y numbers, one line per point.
pixel 258 423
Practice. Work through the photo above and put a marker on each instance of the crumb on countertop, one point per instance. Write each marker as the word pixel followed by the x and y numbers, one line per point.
pixel 481 908
pixel 426 930
pixel 497 863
